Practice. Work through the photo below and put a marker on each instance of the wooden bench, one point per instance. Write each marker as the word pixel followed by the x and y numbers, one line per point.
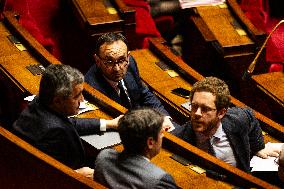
pixel 23 166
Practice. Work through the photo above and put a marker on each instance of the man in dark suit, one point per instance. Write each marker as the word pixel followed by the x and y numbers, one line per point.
pixel 231 134
pixel 45 123
pixel 115 74
pixel 141 134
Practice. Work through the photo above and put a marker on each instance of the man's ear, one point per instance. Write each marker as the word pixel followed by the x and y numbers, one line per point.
pixel 221 113
pixel 150 142
pixel 97 59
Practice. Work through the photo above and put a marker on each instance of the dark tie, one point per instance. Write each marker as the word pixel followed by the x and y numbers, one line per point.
pixel 125 100
pixel 210 148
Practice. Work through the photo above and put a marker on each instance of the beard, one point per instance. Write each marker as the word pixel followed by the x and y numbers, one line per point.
pixel 205 128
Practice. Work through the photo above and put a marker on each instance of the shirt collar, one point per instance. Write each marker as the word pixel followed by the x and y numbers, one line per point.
pixel 219 132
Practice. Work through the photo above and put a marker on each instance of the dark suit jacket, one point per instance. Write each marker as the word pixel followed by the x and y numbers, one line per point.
pixel 120 170
pixel 139 94
pixel 54 134
pixel 243 132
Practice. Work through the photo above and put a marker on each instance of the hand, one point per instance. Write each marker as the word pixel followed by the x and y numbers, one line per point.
pixel 86 171
pixel 268 151
pixel 113 123
pixel 168 125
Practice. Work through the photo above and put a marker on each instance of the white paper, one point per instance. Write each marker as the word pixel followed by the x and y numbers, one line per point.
pixel 107 139
pixel 29 98
pixel 196 3
pixel 260 164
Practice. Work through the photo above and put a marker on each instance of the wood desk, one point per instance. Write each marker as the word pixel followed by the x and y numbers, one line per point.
pixel 270 86
pixel 101 16
pixel 221 41
pixel 184 177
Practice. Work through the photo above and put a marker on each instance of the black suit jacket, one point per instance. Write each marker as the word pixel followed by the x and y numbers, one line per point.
pixel 139 94
pixel 56 135
pixel 243 132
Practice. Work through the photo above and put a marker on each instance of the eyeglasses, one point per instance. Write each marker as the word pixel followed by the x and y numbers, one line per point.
pixel 204 109
pixel 111 63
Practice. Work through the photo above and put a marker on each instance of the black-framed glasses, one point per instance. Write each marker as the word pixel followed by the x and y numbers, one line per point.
pixel 111 63
pixel 204 109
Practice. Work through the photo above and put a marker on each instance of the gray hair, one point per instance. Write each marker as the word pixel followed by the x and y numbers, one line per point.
pixel 58 80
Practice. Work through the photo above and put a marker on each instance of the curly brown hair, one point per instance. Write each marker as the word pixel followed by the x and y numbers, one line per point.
pixel 215 86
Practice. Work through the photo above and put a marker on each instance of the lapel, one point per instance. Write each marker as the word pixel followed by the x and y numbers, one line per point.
pixel 103 86
pixel 236 139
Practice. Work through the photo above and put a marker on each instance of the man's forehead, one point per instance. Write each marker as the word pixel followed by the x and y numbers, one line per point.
pixel 203 97
pixel 114 48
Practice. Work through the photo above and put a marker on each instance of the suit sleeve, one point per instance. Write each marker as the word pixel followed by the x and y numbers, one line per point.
pixel 55 143
pixel 255 133
pixel 149 99
pixel 166 181
pixel 86 126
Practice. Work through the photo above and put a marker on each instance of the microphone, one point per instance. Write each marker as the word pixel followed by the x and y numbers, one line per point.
pixel 248 72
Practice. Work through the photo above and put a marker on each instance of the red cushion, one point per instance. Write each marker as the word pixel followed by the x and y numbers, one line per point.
pixel 145 25
pixel 258 12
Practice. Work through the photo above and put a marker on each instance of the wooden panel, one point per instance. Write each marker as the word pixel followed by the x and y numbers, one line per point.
pixel 100 16
pixel 221 41
pixel 23 166
pixel 272 84
pixel 270 88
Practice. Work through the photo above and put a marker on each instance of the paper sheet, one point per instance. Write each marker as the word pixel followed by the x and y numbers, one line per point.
pixel 107 139
pixel 259 164
pixel 196 3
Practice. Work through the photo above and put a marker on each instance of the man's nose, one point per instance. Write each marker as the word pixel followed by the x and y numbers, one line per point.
pixel 116 66
pixel 198 111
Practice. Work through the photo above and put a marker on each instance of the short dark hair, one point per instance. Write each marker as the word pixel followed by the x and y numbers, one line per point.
pixel 215 86
pixel 58 80
pixel 136 126
pixel 109 38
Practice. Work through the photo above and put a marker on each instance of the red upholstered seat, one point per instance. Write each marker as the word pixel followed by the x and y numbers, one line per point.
pixel 53 24
pixel 259 13
pixel 32 17
pixel 146 26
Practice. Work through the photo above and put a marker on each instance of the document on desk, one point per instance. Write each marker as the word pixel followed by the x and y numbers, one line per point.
pixel 105 140
pixel 185 4
pixel 270 164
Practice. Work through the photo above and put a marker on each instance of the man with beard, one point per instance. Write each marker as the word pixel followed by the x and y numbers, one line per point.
pixel 116 75
pixel 230 134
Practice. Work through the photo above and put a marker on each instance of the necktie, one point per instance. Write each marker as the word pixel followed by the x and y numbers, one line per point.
pixel 125 100
pixel 210 148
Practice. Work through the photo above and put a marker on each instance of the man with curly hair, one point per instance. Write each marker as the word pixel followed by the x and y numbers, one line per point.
pixel 231 134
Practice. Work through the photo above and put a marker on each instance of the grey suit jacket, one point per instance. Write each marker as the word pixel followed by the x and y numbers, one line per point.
pixel 120 170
